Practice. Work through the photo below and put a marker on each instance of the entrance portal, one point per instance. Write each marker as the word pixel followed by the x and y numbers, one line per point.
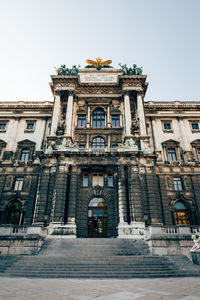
pixel 97 218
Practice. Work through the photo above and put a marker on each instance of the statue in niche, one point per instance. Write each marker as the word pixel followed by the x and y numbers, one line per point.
pixel 48 150
pixel 196 240
pixel 135 124
pixel 169 182
pixel 61 127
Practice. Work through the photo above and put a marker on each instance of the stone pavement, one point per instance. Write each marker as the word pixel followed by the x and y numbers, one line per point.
pixel 187 288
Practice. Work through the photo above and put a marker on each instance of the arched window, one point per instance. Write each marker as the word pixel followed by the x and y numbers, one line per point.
pixel 98 143
pixel 15 215
pixel 181 213
pixel 98 118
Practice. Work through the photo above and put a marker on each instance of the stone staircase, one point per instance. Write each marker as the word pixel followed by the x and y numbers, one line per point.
pixel 95 258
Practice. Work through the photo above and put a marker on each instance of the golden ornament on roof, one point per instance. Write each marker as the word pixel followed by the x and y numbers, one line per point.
pixel 99 63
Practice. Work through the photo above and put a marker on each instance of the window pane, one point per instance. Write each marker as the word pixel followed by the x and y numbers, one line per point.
pixel 195 126
pixel 25 154
pixel 172 154
pixel 81 120
pixel 115 121
pixel 98 118
pixel 30 126
pixel 110 180
pixel 177 184
pixel 100 180
pixel 98 142
pixel 18 183
pixel 97 179
pixel 167 126
pixel 2 126
pixel 85 180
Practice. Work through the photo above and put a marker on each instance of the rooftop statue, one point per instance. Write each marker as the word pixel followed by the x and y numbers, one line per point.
pixel 67 71
pixel 130 71
pixel 98 64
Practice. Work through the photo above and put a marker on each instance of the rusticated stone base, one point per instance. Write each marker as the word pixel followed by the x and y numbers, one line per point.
pixel 135 230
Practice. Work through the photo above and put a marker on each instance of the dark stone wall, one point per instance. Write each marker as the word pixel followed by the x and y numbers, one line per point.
pixel 30 203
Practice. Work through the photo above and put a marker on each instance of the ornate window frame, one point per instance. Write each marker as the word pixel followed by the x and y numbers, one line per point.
pixel 196 149
pixel 25 144
pixel 171 144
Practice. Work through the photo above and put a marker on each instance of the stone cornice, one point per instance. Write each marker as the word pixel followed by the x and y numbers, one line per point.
pixel 169 105
pixel 26 105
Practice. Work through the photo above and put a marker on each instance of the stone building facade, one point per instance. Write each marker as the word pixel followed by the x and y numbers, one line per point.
pixel 99 161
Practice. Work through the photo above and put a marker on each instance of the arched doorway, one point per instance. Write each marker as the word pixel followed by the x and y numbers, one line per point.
pixel 181 214
pixel 97 218
pixel 15 214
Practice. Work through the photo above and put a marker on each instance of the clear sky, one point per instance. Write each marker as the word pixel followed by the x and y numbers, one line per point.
pixel 161 36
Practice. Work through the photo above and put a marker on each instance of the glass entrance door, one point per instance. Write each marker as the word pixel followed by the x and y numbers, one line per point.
pixel 97 218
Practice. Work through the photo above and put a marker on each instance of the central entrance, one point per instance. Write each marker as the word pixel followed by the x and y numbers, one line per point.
pixel 97 218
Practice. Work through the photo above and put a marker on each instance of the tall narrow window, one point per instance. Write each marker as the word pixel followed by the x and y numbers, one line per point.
pixel 85 180
pixel 98 143
pixel 177 184
pixel 98 118
pixel 172 154
pixel 110 180
pixel 82 121
pixel 25 154
pixel 115 121
pixel 18 183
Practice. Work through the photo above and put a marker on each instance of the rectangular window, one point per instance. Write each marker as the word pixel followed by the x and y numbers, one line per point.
pixel 195 126
pixel 82 121
pixel 81 146
pixel 198 153
pixel 115 121
pixel 172 154
pixel 177 184
pixel 30 126
pixel 110 180
pixel 2 126
pixel 25 154
pixel 18 183
pixel 97 179
pixel 167 126
pixel 85 180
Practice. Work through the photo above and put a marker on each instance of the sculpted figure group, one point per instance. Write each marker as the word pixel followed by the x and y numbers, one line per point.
pixel 196 240
pixel 130 71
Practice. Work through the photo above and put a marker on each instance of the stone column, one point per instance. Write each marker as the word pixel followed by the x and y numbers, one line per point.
pixel 135 202
pixel 68 120
pixel 127 114
pixel 122 196
pixel 13 138
pixel 155 136
pixel 186 146
pixel 61 192
pixel 108 117
pixel 56 114
pixel 88 117
pixel 71 211
pixel 141 116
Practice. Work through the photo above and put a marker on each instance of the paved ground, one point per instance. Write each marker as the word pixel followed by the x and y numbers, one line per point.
pixel 85 289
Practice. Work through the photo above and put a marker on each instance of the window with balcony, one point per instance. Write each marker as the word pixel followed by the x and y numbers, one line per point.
pixel 98 143
pixel 97 179
pixel 177 184
pixel 115 121
pixel 18 183
pixel 81 121
pixel 98 118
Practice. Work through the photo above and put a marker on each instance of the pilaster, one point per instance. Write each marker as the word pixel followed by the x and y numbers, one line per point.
pixel 56 113
pixel 68 120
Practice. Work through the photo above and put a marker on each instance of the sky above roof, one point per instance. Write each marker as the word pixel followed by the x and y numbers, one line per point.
pixel 36 36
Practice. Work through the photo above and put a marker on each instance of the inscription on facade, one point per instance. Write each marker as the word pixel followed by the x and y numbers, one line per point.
pixel 99 78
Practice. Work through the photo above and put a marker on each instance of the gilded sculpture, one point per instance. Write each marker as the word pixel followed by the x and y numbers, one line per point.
pixel 98 64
